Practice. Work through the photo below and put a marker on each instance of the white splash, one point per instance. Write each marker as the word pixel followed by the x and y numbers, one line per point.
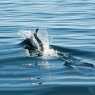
pixel 43 35
pixel 25 34
pixel 48 51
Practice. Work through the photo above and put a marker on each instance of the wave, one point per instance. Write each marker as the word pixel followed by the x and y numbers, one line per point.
pixel 73 51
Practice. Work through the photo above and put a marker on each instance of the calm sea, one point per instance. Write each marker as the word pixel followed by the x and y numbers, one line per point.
pixel 70 25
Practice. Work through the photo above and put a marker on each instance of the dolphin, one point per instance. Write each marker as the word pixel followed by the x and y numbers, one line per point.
pixel 31 46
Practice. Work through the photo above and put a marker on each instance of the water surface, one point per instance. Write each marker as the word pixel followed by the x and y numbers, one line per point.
pixel 70 24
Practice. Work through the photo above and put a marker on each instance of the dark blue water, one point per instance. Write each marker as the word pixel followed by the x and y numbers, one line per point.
pixel 71 29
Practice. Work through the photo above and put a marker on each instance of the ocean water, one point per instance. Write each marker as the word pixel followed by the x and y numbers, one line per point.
pixel 69 26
